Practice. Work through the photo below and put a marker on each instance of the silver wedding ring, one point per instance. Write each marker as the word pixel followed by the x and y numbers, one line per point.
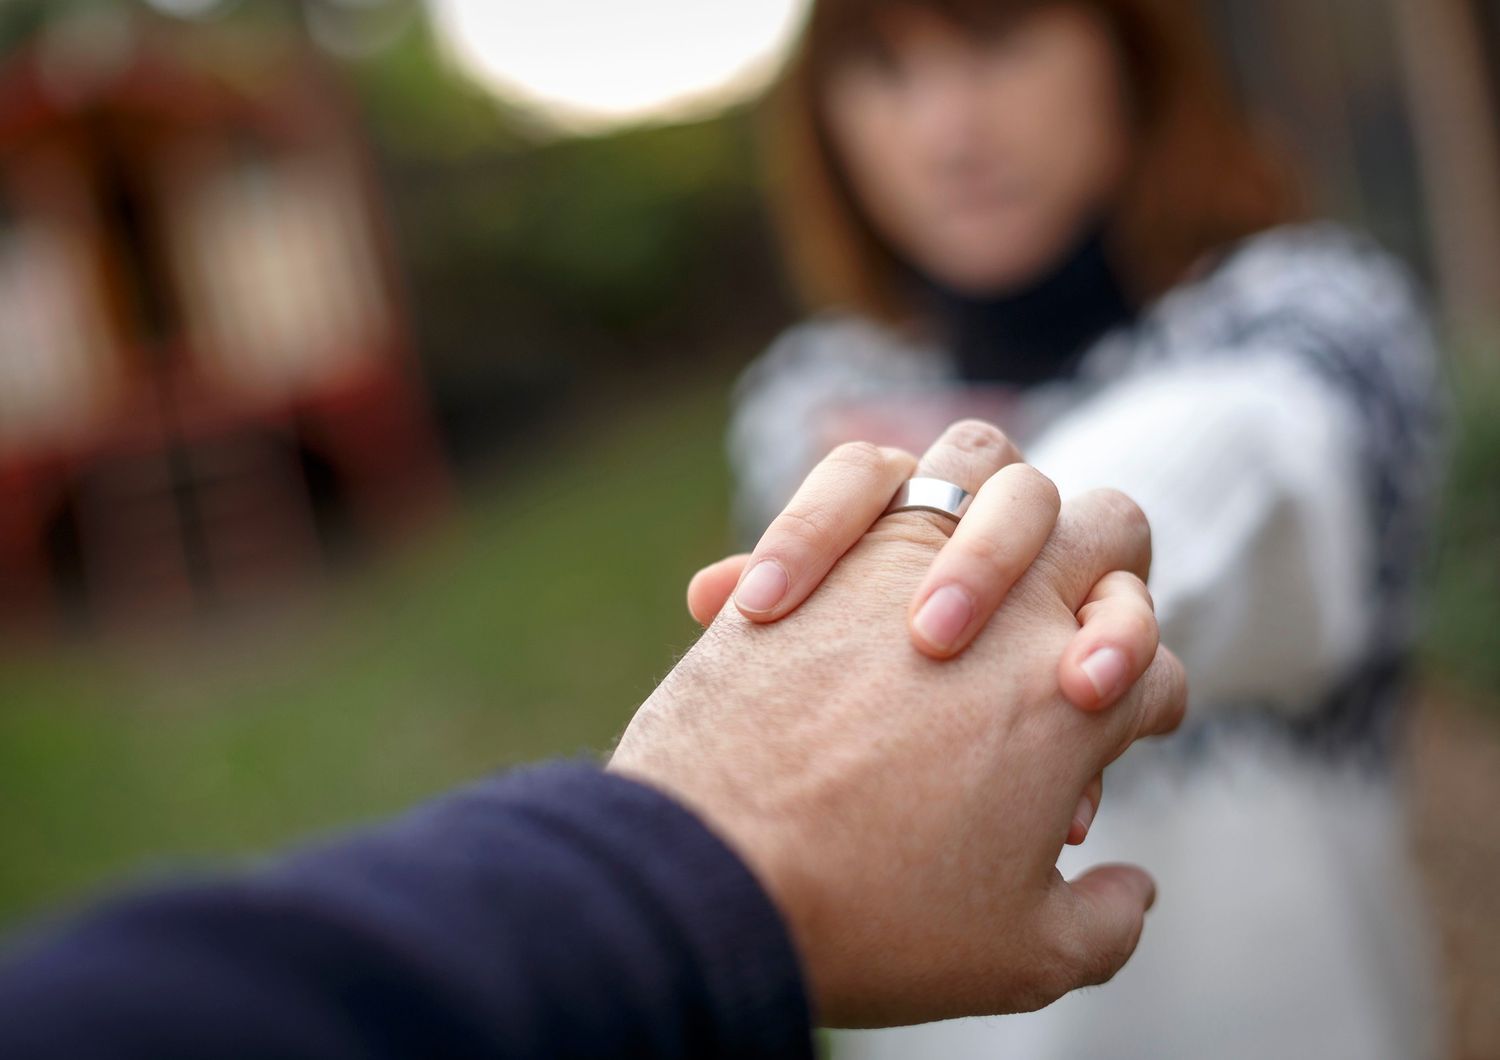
pixel 931 495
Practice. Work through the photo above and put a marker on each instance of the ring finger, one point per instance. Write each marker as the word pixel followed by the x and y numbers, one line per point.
pixel 967 454
pixel 1012 513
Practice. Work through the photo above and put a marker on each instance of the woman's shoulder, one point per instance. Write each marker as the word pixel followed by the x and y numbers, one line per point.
pixel 1324 259
pixel 1321 271
pixel 1322 241
pixel 1319 293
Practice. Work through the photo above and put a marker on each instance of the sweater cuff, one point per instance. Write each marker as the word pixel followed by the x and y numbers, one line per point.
pixel 737 939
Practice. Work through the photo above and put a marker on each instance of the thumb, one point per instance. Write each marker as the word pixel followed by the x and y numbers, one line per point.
pixel 1103 912
pixel 712 586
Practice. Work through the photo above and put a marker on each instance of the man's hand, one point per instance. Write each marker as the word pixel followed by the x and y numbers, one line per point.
pixel 907 813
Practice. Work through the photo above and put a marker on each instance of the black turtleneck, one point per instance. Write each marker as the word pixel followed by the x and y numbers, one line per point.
pixel 1038 333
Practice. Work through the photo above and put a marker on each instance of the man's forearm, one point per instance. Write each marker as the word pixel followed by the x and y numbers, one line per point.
pixel 553 912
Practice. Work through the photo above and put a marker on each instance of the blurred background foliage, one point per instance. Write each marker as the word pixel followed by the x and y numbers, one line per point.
pixel 1462 646
pixel 543 265
pixel 581 305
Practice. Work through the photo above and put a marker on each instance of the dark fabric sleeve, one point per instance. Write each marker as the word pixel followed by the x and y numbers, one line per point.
pixel 553 912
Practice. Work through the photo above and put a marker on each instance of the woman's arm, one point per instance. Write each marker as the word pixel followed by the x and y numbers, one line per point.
pixel 1250 472
pixel 1284 435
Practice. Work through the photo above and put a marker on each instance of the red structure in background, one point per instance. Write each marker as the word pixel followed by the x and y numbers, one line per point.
pixel 204 368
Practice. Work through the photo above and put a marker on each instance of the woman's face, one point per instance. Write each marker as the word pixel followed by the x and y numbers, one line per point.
pixel 981 159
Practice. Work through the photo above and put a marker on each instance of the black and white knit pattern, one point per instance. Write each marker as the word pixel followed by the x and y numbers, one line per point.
pixel 1342 321
pixel 1353 315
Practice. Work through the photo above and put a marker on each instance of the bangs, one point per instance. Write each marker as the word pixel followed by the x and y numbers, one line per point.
pixel 840 29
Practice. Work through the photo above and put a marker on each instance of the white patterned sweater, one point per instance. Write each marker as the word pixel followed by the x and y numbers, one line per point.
pixel 1279 420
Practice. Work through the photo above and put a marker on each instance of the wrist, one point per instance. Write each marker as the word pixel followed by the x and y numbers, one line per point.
pixel 766 850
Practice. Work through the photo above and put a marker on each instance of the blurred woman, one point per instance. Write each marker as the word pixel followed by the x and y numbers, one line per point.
pixel 1052 215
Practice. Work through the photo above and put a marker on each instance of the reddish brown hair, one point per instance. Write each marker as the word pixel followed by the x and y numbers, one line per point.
pixel 1200 179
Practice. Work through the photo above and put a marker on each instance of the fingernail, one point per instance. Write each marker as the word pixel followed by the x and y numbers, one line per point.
pixel 1084 815
pixel 1105 670
pixel 944 616
pixel 763 587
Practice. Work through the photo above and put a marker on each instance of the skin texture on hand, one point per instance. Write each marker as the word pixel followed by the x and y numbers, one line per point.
pixel 1012 515
pixel 906 813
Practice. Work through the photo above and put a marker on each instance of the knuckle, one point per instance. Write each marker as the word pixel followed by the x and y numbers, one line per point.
pixel 1068 957
pixel 862 457
pixel 811 526
pixel 1125 511
pixel 1102 964
pixel 1025 482
pixel 988 551
pixel 1046 489
pixel 928 532
pixel 1082 960
pixel 980 437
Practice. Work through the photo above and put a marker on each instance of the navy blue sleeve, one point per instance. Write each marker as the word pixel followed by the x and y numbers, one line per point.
pixel 553 912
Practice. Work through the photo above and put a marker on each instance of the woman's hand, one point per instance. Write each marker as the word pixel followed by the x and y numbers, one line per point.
pixel 1009 521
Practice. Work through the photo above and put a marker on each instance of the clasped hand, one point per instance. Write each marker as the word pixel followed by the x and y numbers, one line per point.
pixel 898 724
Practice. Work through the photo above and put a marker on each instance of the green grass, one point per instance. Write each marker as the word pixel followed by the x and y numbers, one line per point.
pixel 532 627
